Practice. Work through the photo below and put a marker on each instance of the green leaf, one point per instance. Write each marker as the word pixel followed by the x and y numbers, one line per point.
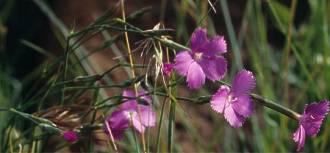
pixel 280 15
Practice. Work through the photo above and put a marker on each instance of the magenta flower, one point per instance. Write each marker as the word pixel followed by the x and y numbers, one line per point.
pixel 310 122
pixel 235 103
pixel 140 115
pixel 204 59
pixel 167 69
pixel 70 136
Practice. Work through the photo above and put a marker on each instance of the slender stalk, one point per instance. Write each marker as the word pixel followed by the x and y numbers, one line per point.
pixel 257 99
pixel 127 40
pixel 66 63
pixel 111 137
pixel 132 67
pixel 167 42
pixel 97 77
pixel 287 50
pixel 96 87
pixel 160 125
pixel 286 86
pixel 44 123
pixel 274 106
pixel 171 124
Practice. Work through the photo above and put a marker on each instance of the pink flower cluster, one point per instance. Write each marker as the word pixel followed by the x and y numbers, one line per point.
pixel 205 60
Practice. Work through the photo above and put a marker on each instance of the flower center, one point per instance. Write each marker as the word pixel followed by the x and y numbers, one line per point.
pixel 198 56
pixel 230 99
pixel 129 114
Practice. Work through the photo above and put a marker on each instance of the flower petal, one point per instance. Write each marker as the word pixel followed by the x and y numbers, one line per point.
pixel 214 68
pixel 218 100
pixel 167 69
pixel 318 110
pixel 243 106
pixel 137 123
pixel 313 116
pixel 148 116
pixel 118 122
pixel 128 93
pixel 195 76
pixel 70 136
pixel 182 62
pixel 243 83
pixel 299 137
pixel 129 103
pixel 217 45
pixel 198 39
pixel 234 119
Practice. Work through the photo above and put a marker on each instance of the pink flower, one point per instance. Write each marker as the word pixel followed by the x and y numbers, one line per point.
pixel 310 122
pixel 70 136
pixel 235 103
pixel 167 69
pixel 140 115
pixel 203 61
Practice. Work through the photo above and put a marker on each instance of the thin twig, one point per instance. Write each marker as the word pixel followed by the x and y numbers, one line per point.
pixel 132 68
pixel 287 50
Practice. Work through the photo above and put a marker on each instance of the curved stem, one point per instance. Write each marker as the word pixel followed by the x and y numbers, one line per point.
pixel 275 106
pixel 257 99
pixel 132 67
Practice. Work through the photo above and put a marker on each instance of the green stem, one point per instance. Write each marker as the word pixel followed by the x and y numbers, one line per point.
pixel 171 124
pixel 257 99
pixel 66 63
pixel 42 122
pixel 160 126
pixel 287 50
pixel 274 106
